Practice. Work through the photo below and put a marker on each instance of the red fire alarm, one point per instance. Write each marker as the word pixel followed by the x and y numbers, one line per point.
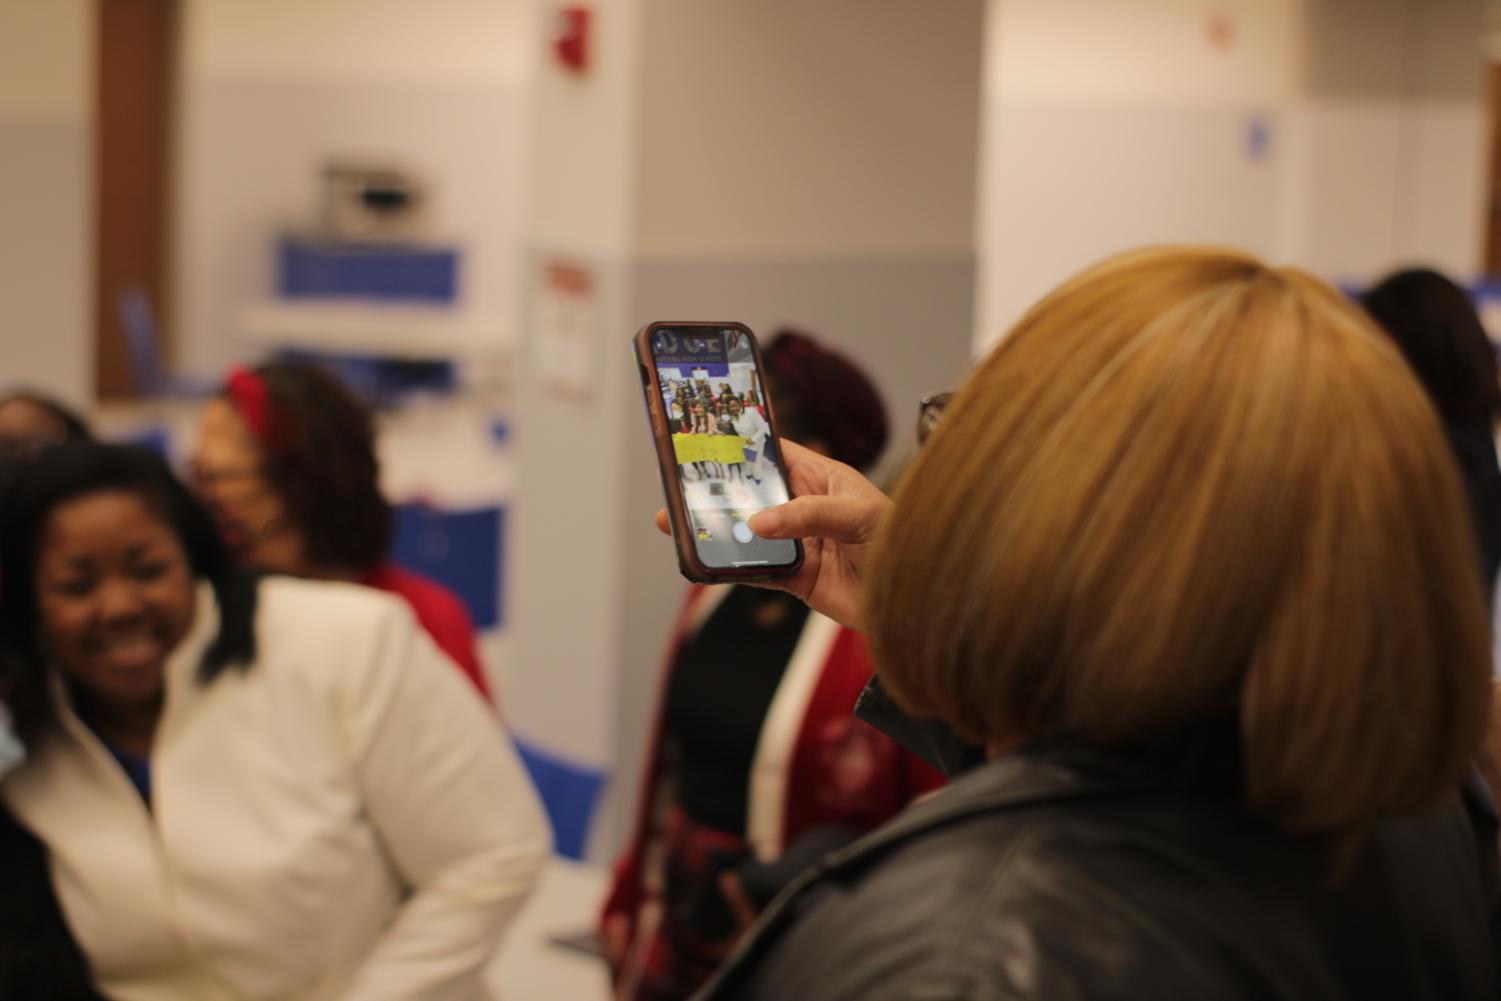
pixel 1220 31
pixel 571 41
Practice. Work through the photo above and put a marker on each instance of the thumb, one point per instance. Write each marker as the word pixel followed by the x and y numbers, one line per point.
pixel 841 519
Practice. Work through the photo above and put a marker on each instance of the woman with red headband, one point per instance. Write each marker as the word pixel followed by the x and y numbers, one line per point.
pixel 286 458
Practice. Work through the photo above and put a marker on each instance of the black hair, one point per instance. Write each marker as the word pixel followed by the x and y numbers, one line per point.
pixel 1435 326
pixel 66 473
pixel 74 427
pixel 324 467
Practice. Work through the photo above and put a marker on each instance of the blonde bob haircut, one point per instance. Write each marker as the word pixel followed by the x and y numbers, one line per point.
pixel 1188 487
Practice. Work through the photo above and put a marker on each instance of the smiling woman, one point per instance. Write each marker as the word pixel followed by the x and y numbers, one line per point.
pixel 246 788
pixel 115 593
pixel 112 546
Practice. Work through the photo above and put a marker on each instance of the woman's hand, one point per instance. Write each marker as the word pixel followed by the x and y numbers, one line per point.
pixel 836 512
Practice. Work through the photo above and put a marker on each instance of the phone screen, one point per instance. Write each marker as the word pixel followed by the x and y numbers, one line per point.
pixel 727 467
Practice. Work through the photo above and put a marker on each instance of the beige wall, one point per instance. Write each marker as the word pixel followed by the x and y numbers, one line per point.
pixel 46 255
pixel 1346 136
pixel 270 90
pixel 1114 52
pixel 45 49
pixel 824 129
pixel 457 41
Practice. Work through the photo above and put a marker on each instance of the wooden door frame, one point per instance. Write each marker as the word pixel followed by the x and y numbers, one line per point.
pixel 135 63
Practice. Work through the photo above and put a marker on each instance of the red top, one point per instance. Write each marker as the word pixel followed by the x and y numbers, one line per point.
pixel 439 611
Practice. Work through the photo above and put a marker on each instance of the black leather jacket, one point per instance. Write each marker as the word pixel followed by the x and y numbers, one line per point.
pixel 1066 873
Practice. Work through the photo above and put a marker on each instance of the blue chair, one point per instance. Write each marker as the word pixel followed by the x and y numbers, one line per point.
pixel 569 793
pixel 464 550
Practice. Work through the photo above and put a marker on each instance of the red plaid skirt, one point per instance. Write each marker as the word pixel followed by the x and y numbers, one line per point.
pixel 695 928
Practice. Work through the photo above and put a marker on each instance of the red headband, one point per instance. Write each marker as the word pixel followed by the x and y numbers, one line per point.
pixel 247 391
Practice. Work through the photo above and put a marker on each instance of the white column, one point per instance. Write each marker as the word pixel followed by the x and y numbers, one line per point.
pixel 774 162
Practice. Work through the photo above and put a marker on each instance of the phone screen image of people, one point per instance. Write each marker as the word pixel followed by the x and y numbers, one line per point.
pixel 726 460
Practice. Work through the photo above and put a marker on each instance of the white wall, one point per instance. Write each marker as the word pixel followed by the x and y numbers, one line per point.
pixel 1131 52
pixel 455 41
pixel 46 224
pixel 1113 123
pixel 1398 138
pixel 567 563
pixel 1345 136
pixel 270 90
pixel 769 133
pixel 584 140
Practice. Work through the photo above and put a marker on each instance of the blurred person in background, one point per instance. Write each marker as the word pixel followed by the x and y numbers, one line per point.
pixel 1189 558
pixel 286 460
pixel 757 766
pixel 1434 324
pixel 38 956
pixel 248 788
pixel 31 422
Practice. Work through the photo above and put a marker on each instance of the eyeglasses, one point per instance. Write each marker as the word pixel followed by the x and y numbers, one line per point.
pixel 930 414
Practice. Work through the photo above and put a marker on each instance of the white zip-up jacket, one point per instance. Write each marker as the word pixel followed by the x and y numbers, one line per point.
pixel 343 820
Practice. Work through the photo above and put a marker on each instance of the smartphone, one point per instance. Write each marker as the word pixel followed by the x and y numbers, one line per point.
pixel 716 442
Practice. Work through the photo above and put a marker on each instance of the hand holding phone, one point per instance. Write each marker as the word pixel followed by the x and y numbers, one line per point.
pixel 837 513
pixel 717 448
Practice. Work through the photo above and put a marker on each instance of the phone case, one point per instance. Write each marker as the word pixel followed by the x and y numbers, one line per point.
pixel 689 564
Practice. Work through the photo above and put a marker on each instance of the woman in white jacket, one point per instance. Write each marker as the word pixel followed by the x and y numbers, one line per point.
pixel 753 428
pixel 247 790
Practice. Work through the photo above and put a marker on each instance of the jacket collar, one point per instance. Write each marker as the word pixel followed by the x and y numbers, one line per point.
pixel 1043 773
pixel 931 740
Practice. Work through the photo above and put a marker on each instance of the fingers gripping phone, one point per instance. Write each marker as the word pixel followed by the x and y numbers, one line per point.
pixel 716 443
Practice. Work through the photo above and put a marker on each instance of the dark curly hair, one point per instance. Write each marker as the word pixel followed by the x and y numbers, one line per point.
pixel 321 461
pixel 66 473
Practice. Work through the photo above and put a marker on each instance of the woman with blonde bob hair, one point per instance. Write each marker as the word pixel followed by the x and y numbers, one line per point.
pixel 1188 558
